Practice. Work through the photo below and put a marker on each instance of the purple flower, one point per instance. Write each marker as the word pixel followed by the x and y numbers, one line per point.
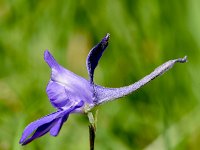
pixel 70 93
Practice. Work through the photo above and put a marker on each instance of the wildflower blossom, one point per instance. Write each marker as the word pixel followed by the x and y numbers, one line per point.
pixel 70 93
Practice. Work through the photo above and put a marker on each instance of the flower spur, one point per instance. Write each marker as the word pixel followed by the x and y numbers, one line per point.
pixel 70 93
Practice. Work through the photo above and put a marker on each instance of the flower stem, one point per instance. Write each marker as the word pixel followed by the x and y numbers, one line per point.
pixel 92 136
pixel 92 129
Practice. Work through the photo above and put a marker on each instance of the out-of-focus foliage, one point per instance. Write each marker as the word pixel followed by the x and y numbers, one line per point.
pixel 162 115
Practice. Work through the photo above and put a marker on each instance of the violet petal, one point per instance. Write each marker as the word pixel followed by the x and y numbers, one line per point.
pixel 40 131
pixel 58 95
pixel 36 124
pixel 66 87
pixel 44 124
pixel 54 131
pixel 94 56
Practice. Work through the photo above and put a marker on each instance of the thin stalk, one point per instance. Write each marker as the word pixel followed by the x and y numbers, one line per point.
pixel 92 130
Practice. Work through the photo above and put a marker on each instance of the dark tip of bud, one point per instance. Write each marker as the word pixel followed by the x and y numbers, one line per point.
pixel 107 36
pixel 182 60
pixel 105 40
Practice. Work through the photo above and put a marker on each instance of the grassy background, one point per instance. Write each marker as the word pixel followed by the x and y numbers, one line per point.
pixel 162 115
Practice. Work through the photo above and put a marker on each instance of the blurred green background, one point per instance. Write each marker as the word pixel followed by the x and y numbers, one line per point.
pixel 165 114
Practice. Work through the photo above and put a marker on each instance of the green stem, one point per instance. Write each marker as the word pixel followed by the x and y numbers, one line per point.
pixel 92 136
pixel 92 129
